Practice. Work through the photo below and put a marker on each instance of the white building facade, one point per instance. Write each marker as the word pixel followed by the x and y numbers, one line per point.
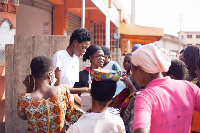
pixel 170 43
pixel 190 37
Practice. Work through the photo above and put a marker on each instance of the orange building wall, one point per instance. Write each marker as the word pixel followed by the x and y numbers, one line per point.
pixel 59 20
pixel 8 13
pixel 12 17
pixel 2 99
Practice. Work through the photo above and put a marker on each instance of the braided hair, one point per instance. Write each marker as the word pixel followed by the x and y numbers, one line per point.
pixel 191 54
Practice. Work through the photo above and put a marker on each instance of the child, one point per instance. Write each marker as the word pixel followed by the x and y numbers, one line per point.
pixel 108 64
pixel 99 119
pixel 126 92
pixel 46 105
pixel 177 70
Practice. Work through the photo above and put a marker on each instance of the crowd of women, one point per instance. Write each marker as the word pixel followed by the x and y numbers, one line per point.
pixel 160 94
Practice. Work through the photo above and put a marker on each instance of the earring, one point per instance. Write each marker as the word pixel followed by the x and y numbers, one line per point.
pixel 51 80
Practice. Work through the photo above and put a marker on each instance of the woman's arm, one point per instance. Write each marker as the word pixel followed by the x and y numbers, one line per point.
pixel 141 130
pixel 58 76
pixel 128 83
pixel 22 117
pixel 79 90
pixel 29 83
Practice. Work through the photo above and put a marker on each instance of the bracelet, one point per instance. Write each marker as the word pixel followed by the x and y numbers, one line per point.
pixel 136 93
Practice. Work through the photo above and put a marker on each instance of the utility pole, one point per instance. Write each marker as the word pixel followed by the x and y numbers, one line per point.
pixel 180 37
pixel 83 14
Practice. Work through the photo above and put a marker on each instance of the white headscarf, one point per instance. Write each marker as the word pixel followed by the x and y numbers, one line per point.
pixel 150 59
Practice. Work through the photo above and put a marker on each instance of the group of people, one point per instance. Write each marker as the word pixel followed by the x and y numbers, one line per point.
pixel 160 94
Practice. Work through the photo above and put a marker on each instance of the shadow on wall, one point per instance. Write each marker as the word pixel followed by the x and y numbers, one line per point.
pixel 2 99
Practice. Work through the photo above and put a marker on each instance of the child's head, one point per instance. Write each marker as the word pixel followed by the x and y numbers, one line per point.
pixel 40 66
pixel 106 51
pixel 103 91
pixel 177 70
pixel 127 62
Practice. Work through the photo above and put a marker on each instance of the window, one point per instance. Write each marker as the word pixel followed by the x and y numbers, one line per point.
pixel 198 36
pixel 189 44
pixel 189 36
pixel 180 37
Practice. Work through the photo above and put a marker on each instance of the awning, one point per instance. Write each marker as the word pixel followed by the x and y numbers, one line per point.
pixel 140 34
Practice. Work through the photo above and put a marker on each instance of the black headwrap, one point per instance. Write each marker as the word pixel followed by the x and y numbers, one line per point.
pixel 91 50
pixel 106 51
pixel 191 54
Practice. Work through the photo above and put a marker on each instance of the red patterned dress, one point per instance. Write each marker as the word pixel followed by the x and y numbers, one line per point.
pixel 49 115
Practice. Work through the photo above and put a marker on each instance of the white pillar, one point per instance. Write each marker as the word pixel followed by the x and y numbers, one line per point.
pixel 83 14
pixel 107 30
pixel 133 11
pixel 118 34
pixel 129 44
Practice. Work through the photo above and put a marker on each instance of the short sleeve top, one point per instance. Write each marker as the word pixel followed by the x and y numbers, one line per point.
pixel 48 115
pixel 112 65
pixel 69 67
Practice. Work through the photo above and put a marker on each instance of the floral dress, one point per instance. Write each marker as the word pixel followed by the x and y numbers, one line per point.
pixel 49 115
pixel 127 111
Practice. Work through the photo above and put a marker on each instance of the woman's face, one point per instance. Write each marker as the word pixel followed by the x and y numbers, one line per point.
pixel 127 62
pixel 80 48
pixel 97 58
pixel 184 60
pixel 198 73
pixel 139 76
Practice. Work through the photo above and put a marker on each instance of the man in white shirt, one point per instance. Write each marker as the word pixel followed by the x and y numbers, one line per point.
pixel 66 62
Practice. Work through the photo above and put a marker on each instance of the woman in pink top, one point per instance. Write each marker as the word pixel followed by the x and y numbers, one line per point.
pixel 165 105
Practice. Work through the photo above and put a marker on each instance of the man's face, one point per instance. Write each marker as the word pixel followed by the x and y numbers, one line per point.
pixel 106 58
pixel 80 48
pixel 97 58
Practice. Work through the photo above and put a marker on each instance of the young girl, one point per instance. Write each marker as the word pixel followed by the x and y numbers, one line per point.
pixel 126 92
pixel 46 107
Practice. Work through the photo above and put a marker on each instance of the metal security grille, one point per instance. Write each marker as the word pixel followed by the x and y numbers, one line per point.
pixel 113 42
pixel 74 22
pixel 98 37
pixel 98 33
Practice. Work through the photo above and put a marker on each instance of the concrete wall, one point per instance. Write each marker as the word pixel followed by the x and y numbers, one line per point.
pixel 31 21
pixel 18 58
